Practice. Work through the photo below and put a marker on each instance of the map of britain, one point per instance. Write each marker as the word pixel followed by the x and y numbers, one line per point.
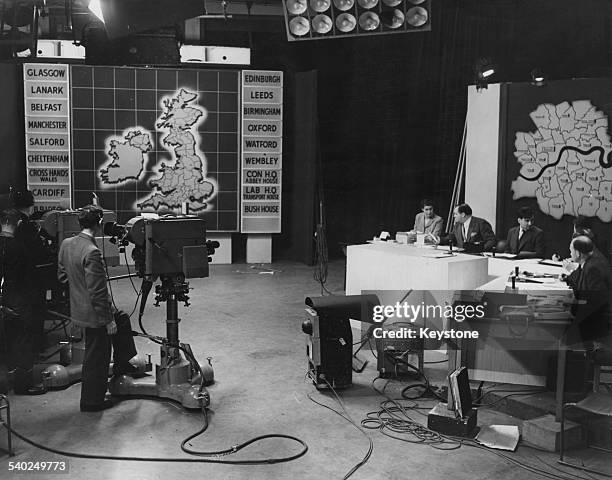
pixel 182 180
pixel 566 163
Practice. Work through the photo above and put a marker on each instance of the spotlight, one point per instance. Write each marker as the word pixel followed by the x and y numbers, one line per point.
pixel 322 24
pixel 323 19
pixel 538 79
pixel 296 7
pixel 344 5
pixel 346 22
pixel 128 17
pixel 299 26
pixel 369 21
pixel 96 8
pixel 483 70
pixel 488 72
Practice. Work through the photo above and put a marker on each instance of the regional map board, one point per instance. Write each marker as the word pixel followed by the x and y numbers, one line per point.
pixel 262 146
pixel 47 134
pixel 152 140
pixel 146 139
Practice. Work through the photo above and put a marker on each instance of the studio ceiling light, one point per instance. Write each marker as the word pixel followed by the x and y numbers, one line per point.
pixel 96 8
pixel 538 78
pixel 321 19
pixel 121 18
pixel 484 69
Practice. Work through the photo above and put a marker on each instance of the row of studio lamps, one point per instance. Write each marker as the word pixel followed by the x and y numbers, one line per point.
pixel 320 19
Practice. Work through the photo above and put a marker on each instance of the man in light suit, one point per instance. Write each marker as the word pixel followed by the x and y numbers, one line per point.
pixel 81 265
pixel 469 230
pixel 525 240
pixel 427 221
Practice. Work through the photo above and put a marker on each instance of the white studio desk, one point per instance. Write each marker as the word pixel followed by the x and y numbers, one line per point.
pixel 500 270
pixel 394 266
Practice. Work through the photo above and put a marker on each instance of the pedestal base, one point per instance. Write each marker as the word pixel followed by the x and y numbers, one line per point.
pixel 186 394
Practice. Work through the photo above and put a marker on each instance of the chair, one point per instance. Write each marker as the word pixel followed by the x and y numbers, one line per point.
pixel 597 402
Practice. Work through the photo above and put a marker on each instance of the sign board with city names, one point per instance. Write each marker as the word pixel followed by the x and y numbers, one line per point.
pixel 262 148
pixel 47 133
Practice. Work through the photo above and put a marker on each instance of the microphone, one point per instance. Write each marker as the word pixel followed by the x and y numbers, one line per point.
pixel 451 240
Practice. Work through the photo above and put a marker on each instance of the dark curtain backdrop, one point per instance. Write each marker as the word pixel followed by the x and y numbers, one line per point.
pixel 12 131
pixel 392 108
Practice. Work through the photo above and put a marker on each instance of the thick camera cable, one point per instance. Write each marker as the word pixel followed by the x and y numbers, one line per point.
pixel 145 288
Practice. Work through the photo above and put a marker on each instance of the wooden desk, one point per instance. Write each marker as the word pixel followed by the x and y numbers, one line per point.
pixel 544 334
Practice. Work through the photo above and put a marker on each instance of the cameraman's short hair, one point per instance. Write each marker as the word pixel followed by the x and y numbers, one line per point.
pixel 464 208
pixel 524 212
pixel 426 202
pixel 10 216
pixel 89 216
pixel 22 199
pixel 583 244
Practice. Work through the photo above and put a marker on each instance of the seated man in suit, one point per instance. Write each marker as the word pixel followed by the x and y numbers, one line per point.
pixel 427 221
pixel 591 282
pixel 525 240
pixel 469 230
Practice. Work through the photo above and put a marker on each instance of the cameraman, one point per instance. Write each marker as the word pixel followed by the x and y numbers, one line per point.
pixel 16 303
pixel 81 265
pixel 28 234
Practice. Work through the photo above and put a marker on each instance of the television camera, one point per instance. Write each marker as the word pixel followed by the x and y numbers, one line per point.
pixel 171 249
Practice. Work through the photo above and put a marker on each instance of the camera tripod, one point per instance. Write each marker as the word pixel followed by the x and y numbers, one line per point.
pixel 176 377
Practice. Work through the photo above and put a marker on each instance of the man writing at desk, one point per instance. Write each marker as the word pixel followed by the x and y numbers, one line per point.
pixel 525 240
pixel 469 230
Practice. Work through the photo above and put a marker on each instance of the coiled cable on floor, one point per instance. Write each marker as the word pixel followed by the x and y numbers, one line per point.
pixel 173 459
pixel 218 453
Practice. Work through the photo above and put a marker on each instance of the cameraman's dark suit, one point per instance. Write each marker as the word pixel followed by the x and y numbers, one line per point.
pixel 16 275
pixel 81 266
pixel 38 253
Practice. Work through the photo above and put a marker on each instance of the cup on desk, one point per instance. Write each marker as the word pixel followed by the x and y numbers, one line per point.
pixel 420 238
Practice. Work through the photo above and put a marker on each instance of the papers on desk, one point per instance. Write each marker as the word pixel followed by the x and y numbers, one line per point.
pixel 507 256
pixel 447 248
pixel 501 437
pixel 438 255
pixel 537 279
pixel 552 263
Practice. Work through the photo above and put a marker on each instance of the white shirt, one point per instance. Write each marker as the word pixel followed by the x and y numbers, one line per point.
pixel 466 227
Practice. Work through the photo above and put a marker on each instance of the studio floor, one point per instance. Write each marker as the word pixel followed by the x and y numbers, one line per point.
pixel 248 319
